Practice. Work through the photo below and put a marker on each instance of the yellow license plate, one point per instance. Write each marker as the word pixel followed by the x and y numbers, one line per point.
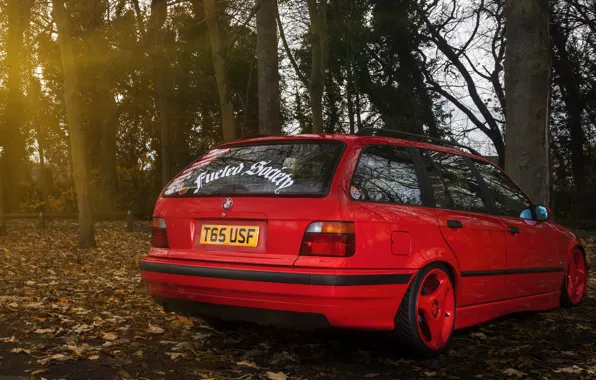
pixel 241 236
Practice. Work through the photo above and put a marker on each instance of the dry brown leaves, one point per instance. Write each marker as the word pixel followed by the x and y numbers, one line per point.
pixel 68 313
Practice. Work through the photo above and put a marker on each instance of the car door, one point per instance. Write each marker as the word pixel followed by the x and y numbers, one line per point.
pixel 476 237
pixel 533 264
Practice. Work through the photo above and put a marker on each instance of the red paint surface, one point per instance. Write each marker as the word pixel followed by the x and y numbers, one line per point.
pixel 381 247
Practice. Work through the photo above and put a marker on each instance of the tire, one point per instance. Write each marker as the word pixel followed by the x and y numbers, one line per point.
pixel 425 319
pixel 575 281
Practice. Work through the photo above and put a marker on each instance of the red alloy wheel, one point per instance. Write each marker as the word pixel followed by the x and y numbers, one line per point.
pixel 576 276
pixel 435 309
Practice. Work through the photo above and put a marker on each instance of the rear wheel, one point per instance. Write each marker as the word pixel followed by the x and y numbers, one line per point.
pixel 426 317
pixel 576 276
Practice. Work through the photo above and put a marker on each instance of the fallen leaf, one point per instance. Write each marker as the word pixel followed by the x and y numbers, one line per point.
pixel 38 371
pixel 276 376
pixel 109 336
pixel 12 339
pixel 174 355
pixel 200 336
pixel 575 369
pixel 514 372
pixel 155 329
pixel 184 319
pixel 18 350
pixel 43 331
pixel 93 357
pixel 247 364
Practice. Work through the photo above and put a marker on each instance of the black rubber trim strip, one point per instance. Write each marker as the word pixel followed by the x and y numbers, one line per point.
pixel 278 277
pixel 511 271
pixel 280 318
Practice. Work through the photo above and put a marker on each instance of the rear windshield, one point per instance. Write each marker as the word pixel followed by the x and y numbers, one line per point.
pixel 290 169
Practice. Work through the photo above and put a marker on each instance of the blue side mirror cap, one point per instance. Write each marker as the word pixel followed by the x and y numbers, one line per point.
pixel 541 213
pixel 526 214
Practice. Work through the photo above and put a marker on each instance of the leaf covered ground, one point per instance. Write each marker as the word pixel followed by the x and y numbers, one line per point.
pixel 72 314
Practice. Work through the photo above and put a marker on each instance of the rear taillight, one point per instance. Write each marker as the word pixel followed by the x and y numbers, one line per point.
pixel 159 237
pixel 329 239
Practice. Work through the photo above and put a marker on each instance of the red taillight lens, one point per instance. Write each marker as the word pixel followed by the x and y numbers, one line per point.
pixel 329 239
pixel 159 237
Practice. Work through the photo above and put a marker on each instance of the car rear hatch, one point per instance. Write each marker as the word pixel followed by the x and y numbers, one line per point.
pixel 251 203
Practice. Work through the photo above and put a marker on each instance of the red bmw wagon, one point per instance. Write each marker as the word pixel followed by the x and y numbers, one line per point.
pixel 380 230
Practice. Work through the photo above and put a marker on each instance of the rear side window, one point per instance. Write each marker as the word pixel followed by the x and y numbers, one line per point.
pixel 459 180
pixel 290 169
pixel 386 173
pixel 509 199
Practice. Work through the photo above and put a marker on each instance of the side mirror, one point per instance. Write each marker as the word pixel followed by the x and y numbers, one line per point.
pixel 542 213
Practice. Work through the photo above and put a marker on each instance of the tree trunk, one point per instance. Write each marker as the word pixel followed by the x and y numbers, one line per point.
pixel 12 135
pixel 569 83
pixel 43 175
pixel 159 13
pixel 109 130
pixel 527 85
pixel 77 137
pixel 269 114
pixel 218 54
pixel 350 99
pixel 161 99
pixel 3 231
pixel 319 41
pixel 38 108
pixel 358 110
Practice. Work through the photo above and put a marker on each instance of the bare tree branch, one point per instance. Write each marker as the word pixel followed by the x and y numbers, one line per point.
pixel 282 34
pixel 238 34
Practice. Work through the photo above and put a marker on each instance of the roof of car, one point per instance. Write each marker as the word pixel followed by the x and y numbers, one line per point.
pixel 350 139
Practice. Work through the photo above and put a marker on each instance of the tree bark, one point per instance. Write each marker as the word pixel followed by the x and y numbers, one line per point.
pixel 77 137
pixel 319 41
pixel 159 12
pixel 12 135
pixel 269 114
pixel 3 231
pixel 43 175
pixel 218 55
pixel 527 86
pixel 350 99
pixel 109 129
pixel 568 83
pixel 358 110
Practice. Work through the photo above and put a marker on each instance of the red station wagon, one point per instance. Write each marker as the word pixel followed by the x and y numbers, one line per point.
pixel 377 230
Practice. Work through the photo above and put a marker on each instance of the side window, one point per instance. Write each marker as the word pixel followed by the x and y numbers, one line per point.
pixel 509 199
pixel 459 181
pixel 436 181
pixel 386 173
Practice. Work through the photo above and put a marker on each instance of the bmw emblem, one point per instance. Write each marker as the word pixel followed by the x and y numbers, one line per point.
pixel 227 204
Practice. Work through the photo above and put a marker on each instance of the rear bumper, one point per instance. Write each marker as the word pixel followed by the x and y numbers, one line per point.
pixel 363 299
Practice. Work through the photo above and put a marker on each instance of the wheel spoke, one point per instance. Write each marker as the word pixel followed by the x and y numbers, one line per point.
pixel 443 291
pixel 425 303
pixel 436 327
pixel 571 277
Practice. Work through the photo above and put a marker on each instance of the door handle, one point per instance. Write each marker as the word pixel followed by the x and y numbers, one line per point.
pixel 513 229
pixel 454 224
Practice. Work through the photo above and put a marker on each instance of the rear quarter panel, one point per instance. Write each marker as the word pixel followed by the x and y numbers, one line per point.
pixel 376 223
